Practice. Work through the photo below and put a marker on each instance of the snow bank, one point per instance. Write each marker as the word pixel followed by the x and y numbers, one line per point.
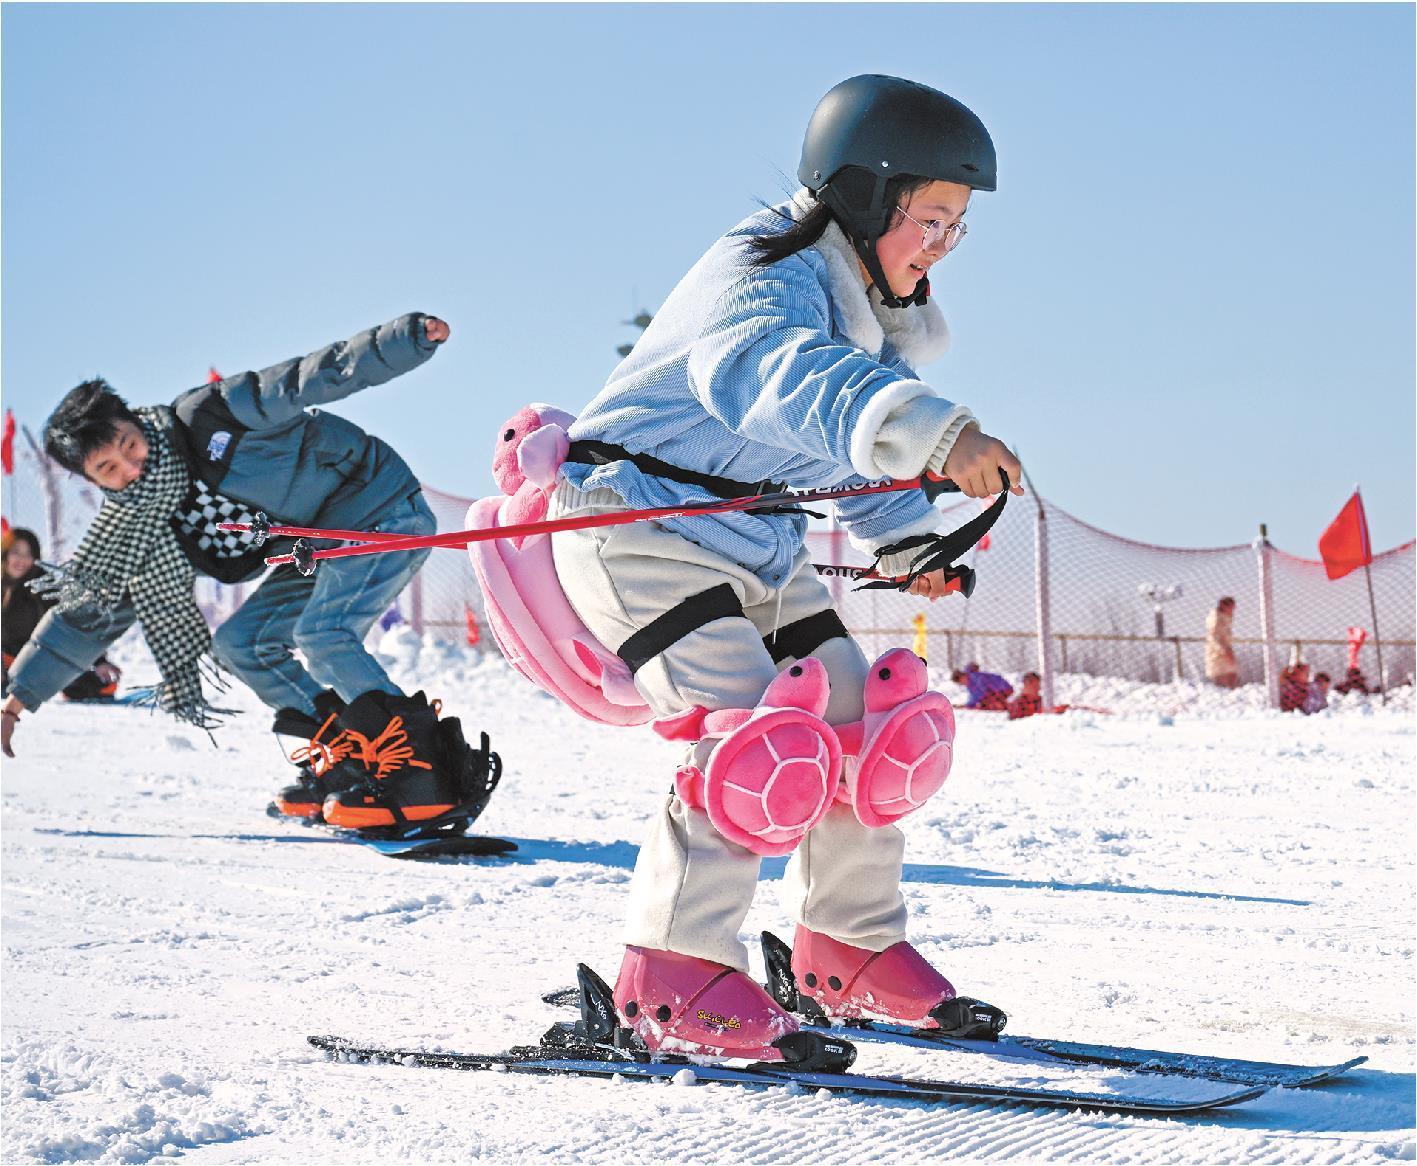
pixel 1236 882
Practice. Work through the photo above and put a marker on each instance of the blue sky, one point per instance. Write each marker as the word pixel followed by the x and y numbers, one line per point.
pixel 1190 305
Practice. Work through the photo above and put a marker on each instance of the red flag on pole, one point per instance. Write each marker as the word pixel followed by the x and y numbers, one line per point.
pixel 7 444
pixel 1344 546
pixel 473 632
pixel 213 376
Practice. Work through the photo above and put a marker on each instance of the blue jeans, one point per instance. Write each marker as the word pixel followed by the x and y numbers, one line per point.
pixel 326 616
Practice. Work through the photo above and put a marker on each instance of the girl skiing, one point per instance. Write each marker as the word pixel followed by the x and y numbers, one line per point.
pixel 786 356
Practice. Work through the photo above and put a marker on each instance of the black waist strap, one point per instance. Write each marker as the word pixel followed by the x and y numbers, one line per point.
pixel 804 636
pixel 602 453
pixel 668 629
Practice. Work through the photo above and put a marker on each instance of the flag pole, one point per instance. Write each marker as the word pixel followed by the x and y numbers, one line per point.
pixel 1372 600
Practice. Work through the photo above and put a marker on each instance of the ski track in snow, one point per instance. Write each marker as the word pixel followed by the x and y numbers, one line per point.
pixel 1236 882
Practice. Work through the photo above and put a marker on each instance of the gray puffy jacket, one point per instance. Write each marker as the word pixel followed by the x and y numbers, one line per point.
pixel 251 438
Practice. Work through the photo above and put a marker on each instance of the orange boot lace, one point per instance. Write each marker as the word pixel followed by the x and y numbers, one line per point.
pixel 388 752
pixel 322 756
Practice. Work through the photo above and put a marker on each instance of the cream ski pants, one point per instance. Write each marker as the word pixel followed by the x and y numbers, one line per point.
pixel 692 887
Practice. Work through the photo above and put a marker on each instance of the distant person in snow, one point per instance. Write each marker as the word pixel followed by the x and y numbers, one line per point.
pixel 223 452
pixel 1220 666
pixel 1353 681
pixel 1294 688
pixel 1317 699
pixel 24 609
pixel 786 356
pixel 987 690
pixel 1029 702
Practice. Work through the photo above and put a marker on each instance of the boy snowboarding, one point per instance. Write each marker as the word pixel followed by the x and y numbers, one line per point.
pixel 256 443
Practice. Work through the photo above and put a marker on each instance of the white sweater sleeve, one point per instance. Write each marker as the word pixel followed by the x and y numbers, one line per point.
pixel 915 431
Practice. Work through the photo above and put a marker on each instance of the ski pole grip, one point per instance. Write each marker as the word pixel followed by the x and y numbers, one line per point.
pixel 961 579
pixel 934 485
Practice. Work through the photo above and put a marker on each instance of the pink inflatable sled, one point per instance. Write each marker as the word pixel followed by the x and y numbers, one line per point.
pixel 531 619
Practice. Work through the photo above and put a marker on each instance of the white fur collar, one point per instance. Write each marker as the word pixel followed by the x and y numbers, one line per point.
pixel 919 333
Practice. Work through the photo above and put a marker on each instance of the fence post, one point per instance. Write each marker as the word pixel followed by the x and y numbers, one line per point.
pixel 1266 579
pixel 53 498
pixel 836 539
pixel 1377 637
pixel 415 603
pixel 1179 667
pixel 1042 602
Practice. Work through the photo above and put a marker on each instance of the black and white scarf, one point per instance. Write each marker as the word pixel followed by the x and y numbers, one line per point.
pixel 131 548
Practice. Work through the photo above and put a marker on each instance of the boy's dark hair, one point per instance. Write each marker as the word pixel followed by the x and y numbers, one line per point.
pixel 84 420
pixel 1032 676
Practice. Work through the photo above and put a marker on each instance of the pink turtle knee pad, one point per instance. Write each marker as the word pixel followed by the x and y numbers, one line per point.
pixel 904 745
pixel 775 771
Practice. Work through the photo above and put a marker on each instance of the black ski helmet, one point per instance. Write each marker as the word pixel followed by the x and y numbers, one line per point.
pixel 870 128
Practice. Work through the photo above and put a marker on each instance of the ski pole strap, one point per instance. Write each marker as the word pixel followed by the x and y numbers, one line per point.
pixel 957 578
pixel 939 551
pixel 603 453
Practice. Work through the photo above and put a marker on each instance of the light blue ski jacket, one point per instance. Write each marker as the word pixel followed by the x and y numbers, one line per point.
pixel 788 372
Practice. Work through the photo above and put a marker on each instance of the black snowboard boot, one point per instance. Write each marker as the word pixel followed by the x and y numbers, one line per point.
pixel 407 774
pixel 478 770
pixel 326 762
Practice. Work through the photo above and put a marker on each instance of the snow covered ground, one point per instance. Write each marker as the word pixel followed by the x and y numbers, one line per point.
pixel 1233 882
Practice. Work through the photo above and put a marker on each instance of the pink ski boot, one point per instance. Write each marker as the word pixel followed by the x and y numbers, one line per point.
pixel 681 1004
pixel 897 984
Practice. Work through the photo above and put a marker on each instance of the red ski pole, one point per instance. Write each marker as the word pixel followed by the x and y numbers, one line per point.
pixel 960 579
pixel 306 557
pixel 263 528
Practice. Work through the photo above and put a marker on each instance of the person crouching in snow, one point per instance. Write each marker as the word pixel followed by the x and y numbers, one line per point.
pixel 223 452
pixel 1317 699
pixel 1029 702
pixel 1294 688
pixel 24 609
pixel 787 355
pixel 987 690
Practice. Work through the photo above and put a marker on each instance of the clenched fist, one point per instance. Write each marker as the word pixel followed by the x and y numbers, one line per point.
pixel 975 461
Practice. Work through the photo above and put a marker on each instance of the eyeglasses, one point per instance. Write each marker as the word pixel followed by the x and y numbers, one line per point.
pixel 938 233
